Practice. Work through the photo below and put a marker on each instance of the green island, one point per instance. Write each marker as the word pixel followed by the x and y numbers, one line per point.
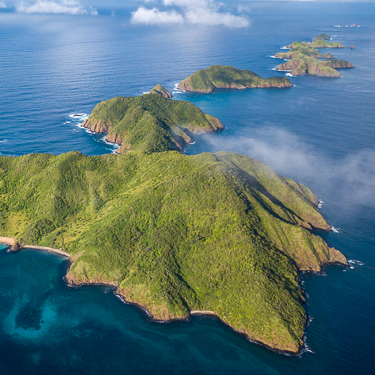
pixel 219 234
pixel 303 58
pixel 226 77
pixel 150 122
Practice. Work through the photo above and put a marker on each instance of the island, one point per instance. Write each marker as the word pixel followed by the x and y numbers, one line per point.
pixel 176 235
pixel 304 58
pixel 149 122
pixel 226 77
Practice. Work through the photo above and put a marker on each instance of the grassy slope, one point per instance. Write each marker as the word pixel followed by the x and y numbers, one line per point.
pixel 219 232
pixel 150 123
pixel 219 76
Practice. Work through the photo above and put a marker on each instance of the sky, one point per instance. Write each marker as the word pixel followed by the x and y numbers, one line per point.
pixel 150 12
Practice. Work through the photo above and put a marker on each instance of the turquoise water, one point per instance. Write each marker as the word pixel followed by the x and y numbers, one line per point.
pixel 321 133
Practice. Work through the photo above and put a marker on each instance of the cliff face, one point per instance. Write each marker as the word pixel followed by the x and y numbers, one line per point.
pixel 174 233
pixel 151 123
pixel 227 77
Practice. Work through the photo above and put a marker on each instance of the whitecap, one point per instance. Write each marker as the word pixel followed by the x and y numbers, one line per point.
pixel 274 57
pixel 320 204
pixel 289 75
pixel 306 348
pixel 335 230
pixel 78 116
pixel 356 262
pixel 146 92
pixel 4 141
pixel 285 47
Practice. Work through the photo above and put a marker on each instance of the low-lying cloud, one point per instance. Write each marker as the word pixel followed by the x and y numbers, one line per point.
pixel 54 7
pixel 199 12
pixel 2 5
pixel 350 179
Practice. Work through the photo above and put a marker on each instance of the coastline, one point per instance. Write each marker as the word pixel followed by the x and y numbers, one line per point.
pixel 115 286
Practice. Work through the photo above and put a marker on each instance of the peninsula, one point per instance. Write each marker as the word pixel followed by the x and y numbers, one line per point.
pixel 176 234
pixel 227 77
pixel 304 58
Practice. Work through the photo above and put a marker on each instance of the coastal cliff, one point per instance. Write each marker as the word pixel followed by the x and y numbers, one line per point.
pixel 176 234
pixel 227 77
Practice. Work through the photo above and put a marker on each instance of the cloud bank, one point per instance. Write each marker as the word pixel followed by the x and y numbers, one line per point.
pixel 54 7
pixel 2 5
pixel 198 12
pixel 350 180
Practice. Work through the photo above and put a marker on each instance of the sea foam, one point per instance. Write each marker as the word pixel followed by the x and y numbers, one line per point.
pixel 356 262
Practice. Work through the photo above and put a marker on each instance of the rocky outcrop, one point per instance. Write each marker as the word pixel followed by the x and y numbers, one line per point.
pixel 160 90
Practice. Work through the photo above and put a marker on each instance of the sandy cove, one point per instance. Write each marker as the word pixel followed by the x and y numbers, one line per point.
pixel 7 240
pixel 11 241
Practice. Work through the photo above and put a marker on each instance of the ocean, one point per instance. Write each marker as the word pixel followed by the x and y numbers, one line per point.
pixel 321 132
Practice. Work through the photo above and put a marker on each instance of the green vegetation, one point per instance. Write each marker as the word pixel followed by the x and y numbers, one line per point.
pixel 175 233
pixel 159 89
pixel 301 50
pixel 321 36
pixel 227 77
pixel 304 59
pixel 150 122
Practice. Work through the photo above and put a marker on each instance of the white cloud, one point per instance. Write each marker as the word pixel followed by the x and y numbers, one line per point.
pixel 155 16
pixel 211 17
pixel 202 12
pixel 2 5
pixel 54 7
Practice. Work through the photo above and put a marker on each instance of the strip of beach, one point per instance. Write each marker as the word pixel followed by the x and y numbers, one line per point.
pixel 11 241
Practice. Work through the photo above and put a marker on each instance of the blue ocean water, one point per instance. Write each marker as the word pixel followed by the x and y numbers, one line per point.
pixel 320 132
